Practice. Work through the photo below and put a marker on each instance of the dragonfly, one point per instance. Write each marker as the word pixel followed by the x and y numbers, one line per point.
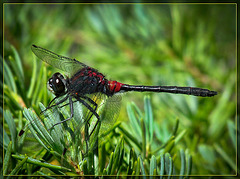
pixel 85 80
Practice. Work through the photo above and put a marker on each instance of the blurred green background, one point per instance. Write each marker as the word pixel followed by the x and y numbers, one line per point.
pixel 145 44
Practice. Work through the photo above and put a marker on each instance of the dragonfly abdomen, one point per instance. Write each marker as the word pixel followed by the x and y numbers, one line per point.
pixel 170 89
pixel 114 87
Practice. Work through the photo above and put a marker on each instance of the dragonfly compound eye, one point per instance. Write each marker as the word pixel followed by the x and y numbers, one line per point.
pixel 56 84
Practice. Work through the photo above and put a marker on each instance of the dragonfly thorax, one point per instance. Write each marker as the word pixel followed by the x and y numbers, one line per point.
pixel 88 81
pixel 57 84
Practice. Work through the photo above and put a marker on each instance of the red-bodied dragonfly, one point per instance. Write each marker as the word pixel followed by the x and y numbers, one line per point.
pixel 86 80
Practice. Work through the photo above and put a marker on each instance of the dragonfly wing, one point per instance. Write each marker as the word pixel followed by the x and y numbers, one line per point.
pixel 110 113
pixel 63 63
pixel 108 109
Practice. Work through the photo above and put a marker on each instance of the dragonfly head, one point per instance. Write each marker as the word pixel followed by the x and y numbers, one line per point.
pixel 57 84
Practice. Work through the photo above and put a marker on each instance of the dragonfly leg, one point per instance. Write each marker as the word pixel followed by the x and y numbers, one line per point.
pixel 59 102
pixel 90 100
pixel 72 113
pixel 90 108
pixel 95 107
pixel 84 97
pixel 48 107
pixel 66 104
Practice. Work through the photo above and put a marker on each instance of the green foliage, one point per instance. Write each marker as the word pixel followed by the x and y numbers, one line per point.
pixel 164 134
pixel 120 162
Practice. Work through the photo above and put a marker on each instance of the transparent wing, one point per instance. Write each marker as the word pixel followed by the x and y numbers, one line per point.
pixel 109 113
pixel 108 109
pixel 63 63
